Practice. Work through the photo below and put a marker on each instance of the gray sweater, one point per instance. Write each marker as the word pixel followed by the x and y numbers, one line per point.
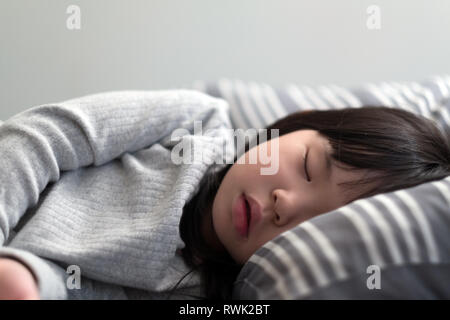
pixel 90 182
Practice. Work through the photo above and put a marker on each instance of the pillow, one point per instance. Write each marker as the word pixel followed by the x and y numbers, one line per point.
pixel 256 105
pixel 390 246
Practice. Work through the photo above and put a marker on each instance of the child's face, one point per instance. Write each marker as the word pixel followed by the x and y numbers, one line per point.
pixel 285 199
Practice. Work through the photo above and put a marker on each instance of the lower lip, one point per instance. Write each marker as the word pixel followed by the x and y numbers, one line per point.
pixel 240 216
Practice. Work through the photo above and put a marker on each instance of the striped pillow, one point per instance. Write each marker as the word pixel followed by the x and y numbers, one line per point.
pixel 392 245
pixel 256 105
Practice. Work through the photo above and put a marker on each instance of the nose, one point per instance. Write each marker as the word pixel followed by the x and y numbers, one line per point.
pixel 284 207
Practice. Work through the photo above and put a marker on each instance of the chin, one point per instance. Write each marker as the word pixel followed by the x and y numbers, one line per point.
pixel 241 258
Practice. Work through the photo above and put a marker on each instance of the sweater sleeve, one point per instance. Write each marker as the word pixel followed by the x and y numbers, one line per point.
pixel 37 144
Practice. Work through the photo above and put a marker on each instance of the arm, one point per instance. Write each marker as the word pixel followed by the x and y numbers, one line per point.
pixel 36 145
pixel 16 282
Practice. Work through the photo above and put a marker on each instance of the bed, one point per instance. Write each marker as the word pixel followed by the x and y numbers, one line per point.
pixel 390 246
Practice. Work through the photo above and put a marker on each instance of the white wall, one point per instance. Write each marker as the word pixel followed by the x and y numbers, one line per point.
pixel 159 44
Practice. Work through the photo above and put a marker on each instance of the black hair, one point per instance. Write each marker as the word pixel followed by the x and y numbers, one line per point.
pixel 404 149
pixel 218 269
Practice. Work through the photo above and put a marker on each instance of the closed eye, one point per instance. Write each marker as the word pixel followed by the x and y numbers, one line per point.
pixel 308 178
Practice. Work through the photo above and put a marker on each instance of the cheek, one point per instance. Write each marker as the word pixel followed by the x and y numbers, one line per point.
pixel 219 215
pixel 241 178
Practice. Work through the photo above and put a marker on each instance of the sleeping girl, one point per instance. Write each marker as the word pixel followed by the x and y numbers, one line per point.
pixel 90 182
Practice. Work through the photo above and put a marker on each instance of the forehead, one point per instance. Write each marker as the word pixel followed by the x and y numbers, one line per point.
pixel 307 136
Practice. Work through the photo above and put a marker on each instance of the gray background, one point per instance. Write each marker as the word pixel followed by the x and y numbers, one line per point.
pixel 161 44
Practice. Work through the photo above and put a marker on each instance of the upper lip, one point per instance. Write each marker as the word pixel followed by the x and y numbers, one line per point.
pixel 255 211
